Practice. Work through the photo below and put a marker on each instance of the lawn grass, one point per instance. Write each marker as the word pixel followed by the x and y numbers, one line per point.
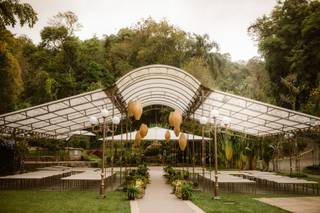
pixel 53 202
pixel 233 203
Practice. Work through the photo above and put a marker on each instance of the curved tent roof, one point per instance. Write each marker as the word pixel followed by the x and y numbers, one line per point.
pixel 154 85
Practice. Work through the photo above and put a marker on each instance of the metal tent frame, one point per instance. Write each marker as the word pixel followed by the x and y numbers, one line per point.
pixel 154 85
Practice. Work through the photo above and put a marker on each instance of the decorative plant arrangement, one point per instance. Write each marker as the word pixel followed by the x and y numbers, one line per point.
pixel 179 180
pixel 137 181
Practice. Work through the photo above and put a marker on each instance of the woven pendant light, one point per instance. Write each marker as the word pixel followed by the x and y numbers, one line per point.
pixel 137 110
pixel 170 119
pixel 176 130
pixel 182 142
pixel 176 118
pixel 167 136
pixel 130 108
pixel 137 139
pixel 143 130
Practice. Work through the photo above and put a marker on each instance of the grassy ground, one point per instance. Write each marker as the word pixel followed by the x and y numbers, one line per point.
pixel 233 203
pixel 52 202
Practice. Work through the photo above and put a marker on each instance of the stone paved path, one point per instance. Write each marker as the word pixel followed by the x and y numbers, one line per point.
pixel 158 197
pixel 295 204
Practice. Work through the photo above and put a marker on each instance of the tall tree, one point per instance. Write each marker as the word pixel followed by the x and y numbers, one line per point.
pixel 67 19
pixel 12 11
pixel 289 40
pixel 10 79
pixel 11 84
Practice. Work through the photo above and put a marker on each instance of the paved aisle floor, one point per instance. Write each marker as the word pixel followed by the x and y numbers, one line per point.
pixel 158 197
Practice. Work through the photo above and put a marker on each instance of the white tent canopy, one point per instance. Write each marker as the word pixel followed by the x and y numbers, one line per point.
pixel 154 133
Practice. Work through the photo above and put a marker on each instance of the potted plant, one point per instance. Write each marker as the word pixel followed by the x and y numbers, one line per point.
pixel 133 192
pixel 186 191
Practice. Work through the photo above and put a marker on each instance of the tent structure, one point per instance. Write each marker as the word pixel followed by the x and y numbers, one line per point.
pixel 154 85
pixel 154 133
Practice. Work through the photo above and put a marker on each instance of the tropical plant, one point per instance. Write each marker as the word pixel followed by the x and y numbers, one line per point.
pixel 186 191
pixel 132 192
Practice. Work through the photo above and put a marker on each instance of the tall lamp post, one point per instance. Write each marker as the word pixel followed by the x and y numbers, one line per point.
pixel 96 127
pixel 115 122
pixel 203 122
pixel 214 114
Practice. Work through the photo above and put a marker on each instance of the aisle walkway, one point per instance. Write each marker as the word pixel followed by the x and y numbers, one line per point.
pixel 158 197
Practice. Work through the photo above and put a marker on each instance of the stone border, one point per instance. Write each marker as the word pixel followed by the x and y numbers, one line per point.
pixel 134 206
pixel 194 207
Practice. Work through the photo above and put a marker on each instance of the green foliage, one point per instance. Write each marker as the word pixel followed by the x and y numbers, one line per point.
pixel 136 182
pixel 11 10
pixel 143 170
pixel 233 202
pixel 133 192
pixel 198 67
pixel 267 151
pixel 67 19
pixel 186 191
pixel 12 154
pixel 182 188
pixel 289 41
pixel 53 37
pixel 64 202
pixel 11 84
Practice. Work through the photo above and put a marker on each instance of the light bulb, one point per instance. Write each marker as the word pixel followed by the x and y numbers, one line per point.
pixel 203 120
pixel 104 112
pixel 116 120
pixel 93 120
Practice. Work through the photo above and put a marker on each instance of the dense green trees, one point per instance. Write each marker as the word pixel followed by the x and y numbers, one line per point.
pixel 11 84
pixel 12 11
pixel 289 40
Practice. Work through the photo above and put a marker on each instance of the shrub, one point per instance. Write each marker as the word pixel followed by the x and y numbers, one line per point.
pixel 186 191
pixel 132 192
pixel 137 178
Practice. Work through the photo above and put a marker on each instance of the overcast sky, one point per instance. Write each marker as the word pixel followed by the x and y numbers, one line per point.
pixel 225 21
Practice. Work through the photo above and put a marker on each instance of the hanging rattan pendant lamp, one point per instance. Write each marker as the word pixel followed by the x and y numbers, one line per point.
pixel 167 136
pixel 143 130
pixel 135 109
pixel 176 130
pixel 137 139
pixel 170 119
pixel 130 108
pixel 176 118
pixel 182 142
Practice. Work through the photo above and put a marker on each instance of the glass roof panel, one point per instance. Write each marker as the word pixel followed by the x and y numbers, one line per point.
pixel 27 121
pixel 287 122
pixel 58 106
pixel 38 111
pixel 279 113
pixel 257 107
pixel 237 102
